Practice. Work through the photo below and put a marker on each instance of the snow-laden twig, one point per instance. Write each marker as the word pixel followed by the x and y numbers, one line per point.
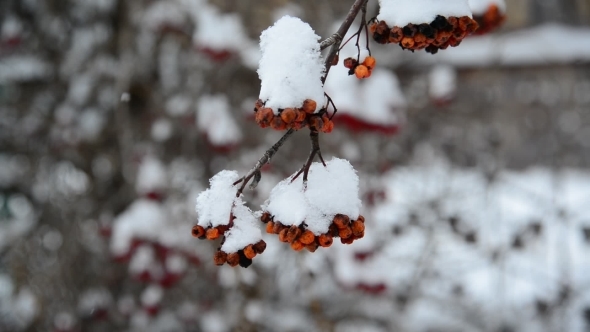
pixel 334 40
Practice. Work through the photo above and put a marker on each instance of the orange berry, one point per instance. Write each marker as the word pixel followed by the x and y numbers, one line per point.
pixel 264 117
pixel 293 233
pixel 307 237
pixel 358 227
pixel 283 235
pixel 233 259
pixel 407 42
pixel 259 246
pixel 278 124
pixel 277 227
pixel 333 230
pixel 395 35
pixel 316 123
pixel 361 71
pixel 266 217
pixel 198 231
pixel 370 62
pixel 309 106
pixel 300 115
pixel 249 252
pixel 212 233
pixel 328 126
pixel 345 233
pixel 361 219
pixel 297 245
pixel 325 240
pixel 270 227
pixel 341 221
pixel 219 258
pixel 312 247
pixel 348 240
pixel 288 115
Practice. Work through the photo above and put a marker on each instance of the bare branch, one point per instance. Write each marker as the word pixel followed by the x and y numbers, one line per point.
pixel 262 161
pixel 354 10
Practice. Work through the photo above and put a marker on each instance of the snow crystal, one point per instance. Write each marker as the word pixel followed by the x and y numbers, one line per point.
pixel 402 12
pixel 244 232
pixel 215 204
pixel 443 81
pixel 151 176
pixel 479 7
pixel 330 190
pixel 291 65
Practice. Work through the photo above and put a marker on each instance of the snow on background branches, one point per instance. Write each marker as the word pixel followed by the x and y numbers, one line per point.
pixel 471 167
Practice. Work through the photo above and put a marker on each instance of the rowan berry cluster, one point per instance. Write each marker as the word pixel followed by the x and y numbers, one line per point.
pixel 360 70
pixel 242 257
pixel 294 118
pixel 441 33
pixel 490 20
pixel 299 237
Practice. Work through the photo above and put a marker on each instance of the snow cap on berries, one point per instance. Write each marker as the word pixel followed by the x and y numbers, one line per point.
pixel 215 204
pixel 402 12
pixel 244 232
pixel 330 190
pixel 291 66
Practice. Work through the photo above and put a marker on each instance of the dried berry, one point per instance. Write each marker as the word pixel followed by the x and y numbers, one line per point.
pixel 278 124
pixel 233 259
pixel 358 228
pixel 220 257
pixel 264 117
pixel 345 233
pixel 259 246
pixel 293 233
pixel 325 240
pixel 350 63
pixel 198 231
pixel 341 221
pixel 283 235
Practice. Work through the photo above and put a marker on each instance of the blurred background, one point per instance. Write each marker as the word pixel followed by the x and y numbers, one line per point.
pixel 473 166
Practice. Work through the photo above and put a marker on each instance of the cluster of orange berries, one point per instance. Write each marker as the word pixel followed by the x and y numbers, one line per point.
pixel 360 70
pixel 490 20
pixel 439 34
pixel 242 257
pixel 301 238
pixel 293 118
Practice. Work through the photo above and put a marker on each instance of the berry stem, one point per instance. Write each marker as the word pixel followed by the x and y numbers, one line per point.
pixel 315 150
pixel 261 162
pixel 334 40
pixel 352 14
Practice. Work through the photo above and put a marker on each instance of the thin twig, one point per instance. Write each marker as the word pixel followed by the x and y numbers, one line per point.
pixel 315 150
pixel 262 161
pixel 354 10
pixel 334 40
